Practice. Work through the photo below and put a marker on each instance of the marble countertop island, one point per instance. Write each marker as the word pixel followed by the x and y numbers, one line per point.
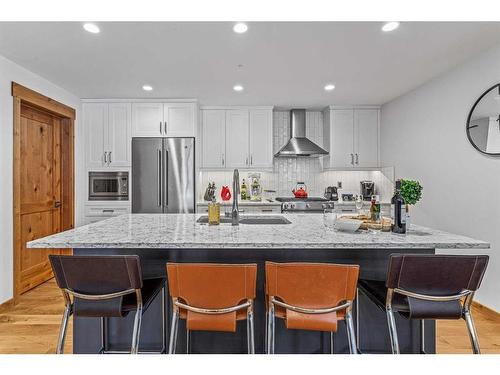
pixel 164 231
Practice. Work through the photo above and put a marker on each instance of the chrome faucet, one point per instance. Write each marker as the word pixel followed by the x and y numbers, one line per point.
pixel 235 212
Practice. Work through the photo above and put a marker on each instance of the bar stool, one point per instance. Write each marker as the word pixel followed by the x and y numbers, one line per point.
pixel 310 296
pixel 427 286
pixel 105 286
pixel 212 297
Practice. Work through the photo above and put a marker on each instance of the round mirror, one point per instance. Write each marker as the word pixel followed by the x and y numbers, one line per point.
pixel 483 123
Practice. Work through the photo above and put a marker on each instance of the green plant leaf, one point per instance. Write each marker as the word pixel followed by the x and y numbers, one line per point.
pixel 411 190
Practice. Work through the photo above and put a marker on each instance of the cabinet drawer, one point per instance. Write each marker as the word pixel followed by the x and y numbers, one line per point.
pixel 105 211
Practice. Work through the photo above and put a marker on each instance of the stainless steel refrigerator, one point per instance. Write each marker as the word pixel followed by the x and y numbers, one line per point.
pixel 163 175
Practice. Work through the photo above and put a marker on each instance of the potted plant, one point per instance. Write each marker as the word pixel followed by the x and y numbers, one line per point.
pixel 411 191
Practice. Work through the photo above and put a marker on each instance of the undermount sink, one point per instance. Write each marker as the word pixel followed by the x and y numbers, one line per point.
pixel 263 220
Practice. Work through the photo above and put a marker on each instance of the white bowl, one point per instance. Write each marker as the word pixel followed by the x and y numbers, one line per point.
pixel 347 225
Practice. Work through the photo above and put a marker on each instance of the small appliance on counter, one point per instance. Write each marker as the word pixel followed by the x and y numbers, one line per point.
pixel 331 193
pixel 367 189
pixel 300 190
pixel 209 195
pixel 348 197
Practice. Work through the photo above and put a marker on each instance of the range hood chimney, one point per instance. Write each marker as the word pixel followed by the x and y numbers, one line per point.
pixel 298 144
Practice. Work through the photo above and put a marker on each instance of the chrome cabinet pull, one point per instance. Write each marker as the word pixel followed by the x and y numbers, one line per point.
pixel 223 162
pixel 105 157
pixel 109 211
pixel 246 161
pixel 109 157
pixel 357 158
pixel 352 159
pixel 165 128
pixel 159 179
pixel 251 159
pixel 160 127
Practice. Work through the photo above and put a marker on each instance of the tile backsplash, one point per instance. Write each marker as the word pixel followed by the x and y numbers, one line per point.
pixel 287 171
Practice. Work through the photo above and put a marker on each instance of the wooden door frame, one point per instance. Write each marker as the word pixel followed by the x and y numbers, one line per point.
pixel 25 96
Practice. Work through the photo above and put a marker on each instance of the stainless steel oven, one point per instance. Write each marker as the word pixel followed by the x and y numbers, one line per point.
pixel 108 186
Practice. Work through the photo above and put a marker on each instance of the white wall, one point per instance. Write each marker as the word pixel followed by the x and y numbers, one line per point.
pixel 423 136
pixel 9 72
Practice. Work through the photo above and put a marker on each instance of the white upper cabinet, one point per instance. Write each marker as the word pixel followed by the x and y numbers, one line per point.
pixel 119 135
pixel 366 137
pixel 95 123
pixel 147 120
pixel 163 119
pixel 353 137
pixel 214 139
pixel 237 139
pixel 180 119
pixel 107 134
pixel 261 138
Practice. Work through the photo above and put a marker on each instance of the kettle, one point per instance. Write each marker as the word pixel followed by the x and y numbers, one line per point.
pixel 225 193
pixel 300 190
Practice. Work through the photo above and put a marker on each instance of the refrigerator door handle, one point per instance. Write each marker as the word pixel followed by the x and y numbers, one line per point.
pixel 166 178
pixel 159 170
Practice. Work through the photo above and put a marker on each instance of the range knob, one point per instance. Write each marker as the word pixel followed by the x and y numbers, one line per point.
pixel 308 205
pixel 323 205
pixel 292 205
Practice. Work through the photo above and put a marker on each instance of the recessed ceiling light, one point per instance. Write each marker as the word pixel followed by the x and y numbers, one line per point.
pixel 240 28
pixel 329 87
pixel 91 28
pixel 238 88
pixel 390 26
pixel 147 88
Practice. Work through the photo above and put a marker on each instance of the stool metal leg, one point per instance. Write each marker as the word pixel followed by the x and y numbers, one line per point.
pixel 331 343
pixel 393 333
pixel 63 329
pixel 173 331
pixel 188 336
pixel 250 330
pixel 270 329
pixel 351 335
pixel 472 332
pixel 422 336
pixel 137 330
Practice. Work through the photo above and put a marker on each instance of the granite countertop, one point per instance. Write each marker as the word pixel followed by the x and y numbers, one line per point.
pixel 182 231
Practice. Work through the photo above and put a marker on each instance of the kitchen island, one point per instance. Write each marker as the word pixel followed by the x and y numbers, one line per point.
pixel 160 238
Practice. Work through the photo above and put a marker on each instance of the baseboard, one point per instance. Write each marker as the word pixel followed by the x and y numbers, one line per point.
pixel 486 310
pixel 6 305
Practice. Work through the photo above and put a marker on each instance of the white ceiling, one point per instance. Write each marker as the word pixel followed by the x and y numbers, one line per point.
pixel 284 63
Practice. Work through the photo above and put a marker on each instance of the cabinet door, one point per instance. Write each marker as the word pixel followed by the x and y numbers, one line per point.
pixel 261 139
pixel 237 139
pixel 342 138
pixel 147 120
pixel 366 137
pixel 119 137
pixel 95 122
pixel 180 119
pixel 214 139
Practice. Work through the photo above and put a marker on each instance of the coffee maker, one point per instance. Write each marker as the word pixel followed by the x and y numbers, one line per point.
pixel 367 189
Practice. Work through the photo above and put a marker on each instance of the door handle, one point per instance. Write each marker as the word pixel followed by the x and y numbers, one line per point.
pixel 159 163
pixel 109 157
pixel 57 204
pixel 357 158
pixel 352 159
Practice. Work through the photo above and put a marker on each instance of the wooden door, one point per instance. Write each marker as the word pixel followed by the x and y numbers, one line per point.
pixel 342 145
pixel 119 140
pixel 237 139
pixel 40 191
pixel 366 137
pixel 214 138
pixel 147 120
pixel 180 119
pixel 261 138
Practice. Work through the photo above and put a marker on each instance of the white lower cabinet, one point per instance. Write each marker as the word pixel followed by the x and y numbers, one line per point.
pixel 102 211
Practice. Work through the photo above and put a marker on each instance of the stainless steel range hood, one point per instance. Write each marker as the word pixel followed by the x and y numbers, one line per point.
pixel 298 144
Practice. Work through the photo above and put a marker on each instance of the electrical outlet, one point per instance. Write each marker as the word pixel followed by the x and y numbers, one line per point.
pixel 339 184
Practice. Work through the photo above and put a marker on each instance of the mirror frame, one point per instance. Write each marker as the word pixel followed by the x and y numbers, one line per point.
pixel 469 118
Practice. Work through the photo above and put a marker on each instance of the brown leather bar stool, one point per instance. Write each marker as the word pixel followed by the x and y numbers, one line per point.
pixel 310 296
pixel 427 286
pixel 105 286
pixel 212 297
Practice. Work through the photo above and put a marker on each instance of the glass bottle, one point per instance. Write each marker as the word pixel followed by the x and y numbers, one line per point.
pixel 213 213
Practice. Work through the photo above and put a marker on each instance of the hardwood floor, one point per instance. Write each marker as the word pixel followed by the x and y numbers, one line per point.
pixel 32 326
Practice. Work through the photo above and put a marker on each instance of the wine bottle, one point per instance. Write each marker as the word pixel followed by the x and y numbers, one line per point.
pixel 398 210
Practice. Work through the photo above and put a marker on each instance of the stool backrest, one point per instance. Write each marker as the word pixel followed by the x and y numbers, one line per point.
pixel 212 286
pixel 97 274
pixel 313 285
pixel 439 274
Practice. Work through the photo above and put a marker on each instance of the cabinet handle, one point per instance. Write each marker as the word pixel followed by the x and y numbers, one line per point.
pixel 246 161
pixel 160 127
pixel 251 159
pixel 267 210
pixel 105 157
pixel 357 158
pixel 110 211
pixel 165 128
pixel 352 159
pixel 109 157
pixel 222 159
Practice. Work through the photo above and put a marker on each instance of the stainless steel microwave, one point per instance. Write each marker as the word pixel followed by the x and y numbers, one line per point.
pixel 108 186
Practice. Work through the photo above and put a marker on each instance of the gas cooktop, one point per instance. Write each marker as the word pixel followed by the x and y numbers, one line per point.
pixel 293 199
